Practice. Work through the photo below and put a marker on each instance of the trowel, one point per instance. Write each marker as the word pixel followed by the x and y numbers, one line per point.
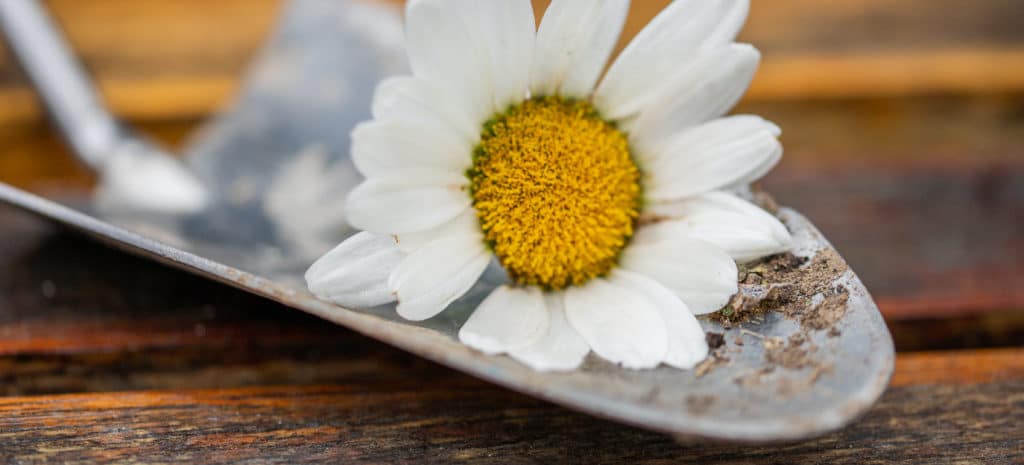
pixel 258 193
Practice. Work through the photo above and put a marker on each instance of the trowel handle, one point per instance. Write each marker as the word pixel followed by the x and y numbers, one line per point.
pixel 60 80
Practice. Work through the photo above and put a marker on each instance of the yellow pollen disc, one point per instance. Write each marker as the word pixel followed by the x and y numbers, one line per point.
pixel 556 192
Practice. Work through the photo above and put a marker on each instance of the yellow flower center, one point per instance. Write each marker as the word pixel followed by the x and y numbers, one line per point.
pixel 556 192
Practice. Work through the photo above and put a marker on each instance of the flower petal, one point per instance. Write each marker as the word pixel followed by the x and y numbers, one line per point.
pixel 510 318
pixel 702 275
pixel 687 344
pixel 408 98
pixel 480 51
pixel 758 172
pixel 662 48
pixel 574 41
pixel 431 278
pixel 444 49
pixel 740 228
pixel 561 348
pixel 355 273
pixel 408 201
pixel 618 323
pixel 464 224
pixel 508 30
pixel 382 147
pixel 711 156
pixel 705 89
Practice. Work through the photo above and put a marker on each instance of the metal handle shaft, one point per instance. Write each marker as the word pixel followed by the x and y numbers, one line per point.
pixel 60 80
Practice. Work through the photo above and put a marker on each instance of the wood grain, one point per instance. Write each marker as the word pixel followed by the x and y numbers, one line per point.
pixel 959 367
pixel 928 239
pixel 904 133
pixel 459 420
pixel 930 236
pixel 153 59
pixel 76 316
pixel 971 328
pixel 971 129
pixel 190 64
pixel 281 387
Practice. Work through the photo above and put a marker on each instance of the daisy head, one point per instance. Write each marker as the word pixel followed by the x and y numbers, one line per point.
pixel 606 197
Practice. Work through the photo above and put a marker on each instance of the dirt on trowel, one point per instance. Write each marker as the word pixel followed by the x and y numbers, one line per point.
pixel 799 288
pixel 789 284
pixel 717 357
pixel 792 354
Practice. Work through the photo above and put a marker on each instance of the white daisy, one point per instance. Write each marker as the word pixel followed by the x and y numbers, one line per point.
pixel 606 200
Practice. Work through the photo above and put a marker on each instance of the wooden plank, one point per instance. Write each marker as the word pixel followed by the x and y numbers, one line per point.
pixel 959 367
pixel 64 294
pixel 968 329
pixel 459 420
pixel 77 316
pixel 190 64
pixel 153 58
pixel 886 131
pixel 978 129
pixel 251 355
pixel 928 239
pixel 172 332
pixel 891 73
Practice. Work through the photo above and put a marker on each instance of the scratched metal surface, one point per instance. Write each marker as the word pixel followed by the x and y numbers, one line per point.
pixel 278 162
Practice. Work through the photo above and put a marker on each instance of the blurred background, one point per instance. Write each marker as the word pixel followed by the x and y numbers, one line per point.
pixel 903 127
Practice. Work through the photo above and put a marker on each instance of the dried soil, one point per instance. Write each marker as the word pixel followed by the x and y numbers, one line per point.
pixel 788 284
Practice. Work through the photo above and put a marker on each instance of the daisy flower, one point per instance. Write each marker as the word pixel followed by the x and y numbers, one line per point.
pixel 606 197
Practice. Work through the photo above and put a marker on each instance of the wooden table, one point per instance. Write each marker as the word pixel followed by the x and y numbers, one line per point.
pixel 108 357
pixel 913 166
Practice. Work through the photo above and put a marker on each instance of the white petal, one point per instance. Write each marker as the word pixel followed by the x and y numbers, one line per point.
pixel 740 228
pixel 687 344
pixel 619 324
pixel 407 201
pixel 706 88
pixel 574 41
pixel 444 49
pixel 759 172
pixel 382 147
pixel 479 50
pixel 508 319
pixel 507 28
pixel 702 275
pixel 662 48
pixel 408 98
pixel 561 348
pixel 355 273
pixel 430 279
pixel 730 23
pixel 464 224
pixel 711 156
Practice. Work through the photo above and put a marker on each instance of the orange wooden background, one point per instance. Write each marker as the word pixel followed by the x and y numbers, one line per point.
pixel 903 126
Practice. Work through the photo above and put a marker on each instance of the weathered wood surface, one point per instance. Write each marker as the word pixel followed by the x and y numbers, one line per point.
pixel 905 144
pixel 76 316
pixel 232 377
pixel 929 237
pixel 959 367
pixel 456 419
pixel 189 63
pixel 908 152
pixel 983 130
